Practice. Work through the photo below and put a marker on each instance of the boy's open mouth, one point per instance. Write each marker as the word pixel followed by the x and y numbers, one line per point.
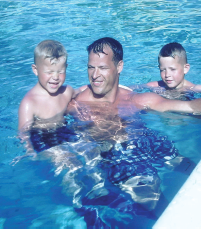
pixel 53 85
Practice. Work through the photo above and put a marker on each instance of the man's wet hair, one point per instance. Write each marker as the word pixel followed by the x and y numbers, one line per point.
pixel 98 46
pixel 50 49
pixel 173 49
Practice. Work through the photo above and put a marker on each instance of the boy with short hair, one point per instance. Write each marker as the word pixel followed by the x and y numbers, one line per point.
pixel 173 66
pixel 48 98
pixel 44 106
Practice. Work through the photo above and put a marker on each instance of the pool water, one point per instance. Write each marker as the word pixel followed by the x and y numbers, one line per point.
pixel 31 195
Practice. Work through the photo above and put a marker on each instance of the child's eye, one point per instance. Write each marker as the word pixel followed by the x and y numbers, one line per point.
pixel 49 72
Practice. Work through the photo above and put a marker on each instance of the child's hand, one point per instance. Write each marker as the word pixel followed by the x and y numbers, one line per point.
pixel 28 154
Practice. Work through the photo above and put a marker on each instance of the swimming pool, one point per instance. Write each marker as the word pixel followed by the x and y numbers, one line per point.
pixel 142 27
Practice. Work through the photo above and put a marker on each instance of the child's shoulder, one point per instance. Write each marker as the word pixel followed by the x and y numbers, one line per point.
pixel 67 92
pixel 159 83
pixel 191 86
pixel 33 96
pixel 188 83
pixel 66 89
pixel 29 98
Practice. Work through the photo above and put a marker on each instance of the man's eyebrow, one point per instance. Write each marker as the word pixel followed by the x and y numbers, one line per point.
pixel 100 66
pixel 103 66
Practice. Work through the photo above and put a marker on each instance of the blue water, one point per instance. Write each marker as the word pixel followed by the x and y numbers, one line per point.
pixel 30 194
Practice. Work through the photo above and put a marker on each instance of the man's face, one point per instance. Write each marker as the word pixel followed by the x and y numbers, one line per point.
pixel 172 71
pixel 103 73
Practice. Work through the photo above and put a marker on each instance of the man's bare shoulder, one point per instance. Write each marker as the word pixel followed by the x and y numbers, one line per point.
pixel 85 95
pixel 125 87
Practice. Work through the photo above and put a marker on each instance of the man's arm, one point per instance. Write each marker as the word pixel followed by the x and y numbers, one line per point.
pixel 156 102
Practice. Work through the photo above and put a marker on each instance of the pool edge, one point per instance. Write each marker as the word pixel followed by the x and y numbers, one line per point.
pixel 184 210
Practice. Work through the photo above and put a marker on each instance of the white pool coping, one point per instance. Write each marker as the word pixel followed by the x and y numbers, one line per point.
pixel 184 211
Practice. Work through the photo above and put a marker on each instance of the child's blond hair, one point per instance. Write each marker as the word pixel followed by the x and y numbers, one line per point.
pixel 50 49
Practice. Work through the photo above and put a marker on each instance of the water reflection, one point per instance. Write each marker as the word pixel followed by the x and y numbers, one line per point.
pixel 108 158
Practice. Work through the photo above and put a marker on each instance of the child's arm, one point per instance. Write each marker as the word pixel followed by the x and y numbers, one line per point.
pixel 25 113
pixel 152 84
pixel 25 118
pixel 196 88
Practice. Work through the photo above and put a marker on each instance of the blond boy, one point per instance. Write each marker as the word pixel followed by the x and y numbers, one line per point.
pixel 48 98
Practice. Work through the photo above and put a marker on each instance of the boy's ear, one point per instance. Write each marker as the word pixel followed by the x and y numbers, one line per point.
pixel 186 68
pixel 120 66
pixel 34 69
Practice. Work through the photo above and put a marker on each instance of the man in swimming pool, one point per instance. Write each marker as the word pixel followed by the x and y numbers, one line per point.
pixel 105 63
pixel 108 107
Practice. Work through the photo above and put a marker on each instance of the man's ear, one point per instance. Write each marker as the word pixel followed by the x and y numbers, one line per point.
pixel 186 68
pixel 34 69
pixel 120 66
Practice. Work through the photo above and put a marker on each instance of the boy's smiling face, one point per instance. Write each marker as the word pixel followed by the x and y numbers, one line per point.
pixel 172 71
pixel 51 73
